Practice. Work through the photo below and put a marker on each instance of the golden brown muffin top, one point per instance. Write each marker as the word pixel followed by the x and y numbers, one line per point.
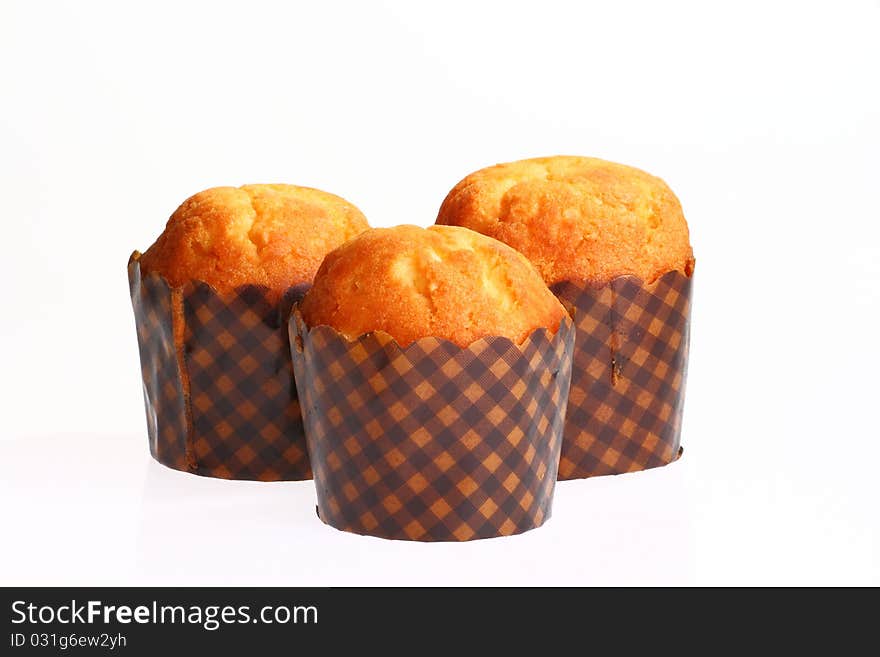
pixel 442 281
pixel 272 235
pixel 576 218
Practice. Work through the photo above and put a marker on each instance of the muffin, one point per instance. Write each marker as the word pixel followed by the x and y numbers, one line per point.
pixel 442 281
pixel 576 217
pixel 613 243
pixel 211 300
pixel 268 235
pixel 433 367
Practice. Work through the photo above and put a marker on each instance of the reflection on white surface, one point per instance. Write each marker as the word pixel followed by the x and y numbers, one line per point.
pixel 100 511
pixel 97 510
pixel 221 532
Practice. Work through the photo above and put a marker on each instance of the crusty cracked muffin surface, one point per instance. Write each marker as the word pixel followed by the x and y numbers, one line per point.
pixel 576 217
pixel 441 281
pixel 270 235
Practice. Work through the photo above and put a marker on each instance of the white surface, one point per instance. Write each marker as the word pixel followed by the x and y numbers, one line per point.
pixel 764 117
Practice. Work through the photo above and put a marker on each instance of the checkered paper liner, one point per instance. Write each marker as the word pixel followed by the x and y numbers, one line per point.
pixel 218 381
pixel 433 442
pixel 628 381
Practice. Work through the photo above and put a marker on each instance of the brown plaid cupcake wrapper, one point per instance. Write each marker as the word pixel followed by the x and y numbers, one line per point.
pixel 628 381
pixel 218 381
pixel 433 442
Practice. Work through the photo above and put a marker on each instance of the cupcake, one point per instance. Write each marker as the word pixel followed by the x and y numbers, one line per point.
pixel 612 242
pixel 433 367
pixel 211 298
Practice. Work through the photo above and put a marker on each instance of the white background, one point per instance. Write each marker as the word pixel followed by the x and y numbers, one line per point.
pixel 763 117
